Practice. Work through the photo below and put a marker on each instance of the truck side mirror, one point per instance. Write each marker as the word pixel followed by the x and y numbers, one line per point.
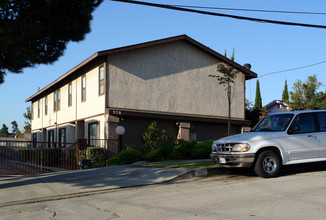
pixel 294 129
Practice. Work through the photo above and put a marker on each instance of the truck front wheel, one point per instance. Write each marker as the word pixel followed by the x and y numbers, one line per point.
pixel 267 164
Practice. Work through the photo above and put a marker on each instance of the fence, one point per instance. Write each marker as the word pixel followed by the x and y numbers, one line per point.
pixel 32 158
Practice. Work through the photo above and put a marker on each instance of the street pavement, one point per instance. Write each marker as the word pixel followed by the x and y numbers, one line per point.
pixel 16 190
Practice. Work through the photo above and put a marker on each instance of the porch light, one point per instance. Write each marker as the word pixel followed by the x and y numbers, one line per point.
pixel 120 130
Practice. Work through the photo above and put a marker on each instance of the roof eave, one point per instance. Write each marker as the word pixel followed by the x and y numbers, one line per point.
pixel 85 62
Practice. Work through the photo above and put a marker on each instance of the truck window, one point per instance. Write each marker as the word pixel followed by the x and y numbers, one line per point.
pixel 322 120
pixel 304 123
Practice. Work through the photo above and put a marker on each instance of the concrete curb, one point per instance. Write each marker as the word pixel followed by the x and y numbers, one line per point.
pixel 201 172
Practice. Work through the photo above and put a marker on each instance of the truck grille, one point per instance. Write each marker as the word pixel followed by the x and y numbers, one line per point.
pixel 224 147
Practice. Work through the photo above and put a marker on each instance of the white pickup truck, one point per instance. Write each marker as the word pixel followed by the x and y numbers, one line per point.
pixel 280 139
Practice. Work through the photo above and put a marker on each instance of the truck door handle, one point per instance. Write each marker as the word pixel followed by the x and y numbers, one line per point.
pixel 313 136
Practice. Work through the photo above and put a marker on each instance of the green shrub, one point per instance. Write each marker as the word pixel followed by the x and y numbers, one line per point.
pixel 155 155
pixel 182 150
pixel 162 153
pixel 153 138
pixel 97 155
pixel 202 150
pixel 125 157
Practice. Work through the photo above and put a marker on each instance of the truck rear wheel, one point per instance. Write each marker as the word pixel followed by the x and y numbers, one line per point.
pixel 268 164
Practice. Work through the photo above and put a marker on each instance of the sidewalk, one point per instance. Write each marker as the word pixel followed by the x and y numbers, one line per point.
pixel 46 187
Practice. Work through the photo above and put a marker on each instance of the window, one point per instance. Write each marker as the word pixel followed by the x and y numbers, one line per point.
pixel 38 109
pixel 101 81
pixel 303 123
pixel 93 133
pixel 322 120
pixel 56 100
pixel 62 137
pixel 51 138
pixel 32 112
pixel 276 122
pixel 69 94
pixel 83 88
pixel 34 139
pixel 46 105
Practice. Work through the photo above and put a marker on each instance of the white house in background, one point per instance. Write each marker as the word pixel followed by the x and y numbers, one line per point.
pixel 277 106
pixel 164 81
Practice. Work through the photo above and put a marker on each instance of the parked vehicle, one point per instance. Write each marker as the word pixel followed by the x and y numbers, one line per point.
pixel 280 139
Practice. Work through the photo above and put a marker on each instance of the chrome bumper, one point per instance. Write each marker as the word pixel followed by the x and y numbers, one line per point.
pixel 233 160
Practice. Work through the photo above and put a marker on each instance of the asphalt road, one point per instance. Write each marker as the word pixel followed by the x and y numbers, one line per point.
pixel 299 193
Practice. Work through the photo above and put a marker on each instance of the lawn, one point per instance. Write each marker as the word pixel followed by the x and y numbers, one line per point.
pixel 189 165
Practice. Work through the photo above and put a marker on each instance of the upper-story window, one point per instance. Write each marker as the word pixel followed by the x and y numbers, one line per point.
pixel 38 109
pixel 69 94
pixel 56 100
pixel 83 88
pixel 101 80
pixel 32 111
pixel 46 105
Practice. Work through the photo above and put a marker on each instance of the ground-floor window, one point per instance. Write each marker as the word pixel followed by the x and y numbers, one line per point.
pixel 93 133
pixel 34 139
pixel 62 137
pixel 51 138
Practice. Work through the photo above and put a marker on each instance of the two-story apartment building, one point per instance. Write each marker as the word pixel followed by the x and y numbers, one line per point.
pixel 164 81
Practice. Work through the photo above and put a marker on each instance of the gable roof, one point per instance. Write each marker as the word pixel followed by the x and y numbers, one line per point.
pixel 275 102
pixel 100 54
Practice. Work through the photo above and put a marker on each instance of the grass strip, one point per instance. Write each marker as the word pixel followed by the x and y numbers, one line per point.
pixel 189 165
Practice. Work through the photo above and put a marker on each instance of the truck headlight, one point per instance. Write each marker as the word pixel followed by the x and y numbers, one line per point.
pixel 241 148
pixel 214 148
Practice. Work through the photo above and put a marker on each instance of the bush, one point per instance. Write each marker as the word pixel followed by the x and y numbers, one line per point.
pixel 162 153
pixel 202 150
pixel 153 138
pixel 125 157
pixel 182 150
pixel 97 155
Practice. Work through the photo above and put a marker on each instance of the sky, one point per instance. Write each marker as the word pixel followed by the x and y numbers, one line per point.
pixel 267 47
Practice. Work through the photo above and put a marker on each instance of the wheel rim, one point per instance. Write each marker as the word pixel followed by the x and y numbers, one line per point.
pixel 269 164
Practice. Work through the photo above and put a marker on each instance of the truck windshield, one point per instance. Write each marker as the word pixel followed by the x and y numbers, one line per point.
pixel 275 122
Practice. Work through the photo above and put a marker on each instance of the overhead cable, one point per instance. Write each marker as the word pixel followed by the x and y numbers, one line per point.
pixel 222 15
pixel 302 67
pixel 252 10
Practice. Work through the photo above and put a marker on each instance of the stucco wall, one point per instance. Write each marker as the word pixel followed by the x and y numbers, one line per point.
pixel 79 110
pixel 171 78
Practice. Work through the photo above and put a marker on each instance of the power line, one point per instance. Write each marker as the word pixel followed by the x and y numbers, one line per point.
pixel 302 67
pixel 222 15
pixel 252 10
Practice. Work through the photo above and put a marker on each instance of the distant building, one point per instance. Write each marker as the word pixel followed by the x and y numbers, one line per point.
pixel 277 106
pixel 164 81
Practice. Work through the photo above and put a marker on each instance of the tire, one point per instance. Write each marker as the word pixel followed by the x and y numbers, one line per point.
pixel 268 164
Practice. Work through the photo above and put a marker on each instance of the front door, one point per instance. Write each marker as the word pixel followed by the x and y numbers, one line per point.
pixel 304 141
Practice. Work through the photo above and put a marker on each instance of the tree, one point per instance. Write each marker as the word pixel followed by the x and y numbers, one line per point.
pixel 258 100
pixel 227 79
pixel 153 138
pixel 306 96
pixel 285 94
pixel 15 129
pixel 4 131
pixel 28 116
pixel 36 32
pixel 248 105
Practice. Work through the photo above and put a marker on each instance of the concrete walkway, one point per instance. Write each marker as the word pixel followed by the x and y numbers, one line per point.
pixel 45 187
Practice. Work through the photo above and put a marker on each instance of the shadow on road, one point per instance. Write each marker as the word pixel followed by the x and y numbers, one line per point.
pixel 285 170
